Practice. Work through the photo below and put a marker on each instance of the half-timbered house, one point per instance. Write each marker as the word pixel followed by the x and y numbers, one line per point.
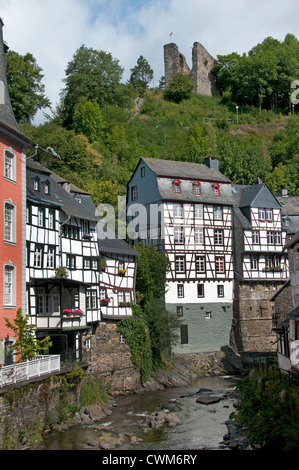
pixel 185 210
pixel 13 146
pixel 261 267
pixel 62 260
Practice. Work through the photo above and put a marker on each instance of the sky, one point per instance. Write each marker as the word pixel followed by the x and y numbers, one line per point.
pixel 52 30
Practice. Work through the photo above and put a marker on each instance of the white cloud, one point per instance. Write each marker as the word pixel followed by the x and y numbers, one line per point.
pixel 52 30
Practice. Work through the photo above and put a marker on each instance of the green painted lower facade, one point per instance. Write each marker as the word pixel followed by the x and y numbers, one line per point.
pixel 205 327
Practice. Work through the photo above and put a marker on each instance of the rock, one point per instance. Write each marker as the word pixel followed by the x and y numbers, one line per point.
pixel 207 400
pixel 96 412
pixel 172 420
pixel 109 442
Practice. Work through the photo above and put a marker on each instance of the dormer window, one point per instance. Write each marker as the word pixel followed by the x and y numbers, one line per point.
pixel 196 188
pixel 177 186
pixel 36 183
pixel 47 187
pixel 216 189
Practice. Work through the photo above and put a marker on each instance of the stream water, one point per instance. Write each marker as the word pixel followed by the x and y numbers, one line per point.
pixel 202 425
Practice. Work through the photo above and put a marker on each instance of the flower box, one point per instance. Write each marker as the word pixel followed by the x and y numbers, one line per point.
pixel 122 272
pixel 73 313
pixel 104 302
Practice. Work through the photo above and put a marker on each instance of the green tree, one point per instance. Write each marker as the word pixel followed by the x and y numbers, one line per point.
pixel 88 120
pixel 141 75
pixel 92 74
pixel 26 90
pixel 26 345
pixel 179 89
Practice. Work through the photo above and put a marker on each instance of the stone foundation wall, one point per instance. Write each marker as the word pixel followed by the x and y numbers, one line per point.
pixel 111 360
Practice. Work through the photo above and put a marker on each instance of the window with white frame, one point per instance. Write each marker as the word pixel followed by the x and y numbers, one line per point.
pixel 217 213
pixel 178 210
pixel 200 264
pixel 71 261
pixel 9 222
pixel 269 215
pixel 38 256
pixel 180 264
pixel 200 290
pixel 255 237
pixel 51 219
pixel 254 262
pixel 199 240
pixel 9 165
pixel 41 217
pixel 178 235
pixel 198 211
pixel 102 293
pixel 120 296
pixel 134 193
pixel 51 257
pixel 9 287
pixel 277 238
pixel 270 238
pixel 218 237
pixel 180 290
pixel 91 298
pixel 219 264
pixel 220 290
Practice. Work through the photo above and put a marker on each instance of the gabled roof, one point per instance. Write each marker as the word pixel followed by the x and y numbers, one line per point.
pixel 258 195
pixel 176 169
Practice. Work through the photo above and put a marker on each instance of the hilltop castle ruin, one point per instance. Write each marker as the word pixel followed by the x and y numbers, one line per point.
pixel 201 72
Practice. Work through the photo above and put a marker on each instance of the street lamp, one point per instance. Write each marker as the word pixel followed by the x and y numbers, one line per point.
pixel 237 107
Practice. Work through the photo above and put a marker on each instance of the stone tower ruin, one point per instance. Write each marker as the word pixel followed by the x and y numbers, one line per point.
pixel 201 72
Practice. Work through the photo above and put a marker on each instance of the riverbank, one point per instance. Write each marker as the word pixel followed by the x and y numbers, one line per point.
pixel 176 409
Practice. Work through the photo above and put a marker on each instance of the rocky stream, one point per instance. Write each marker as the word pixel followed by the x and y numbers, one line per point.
pixel 176 411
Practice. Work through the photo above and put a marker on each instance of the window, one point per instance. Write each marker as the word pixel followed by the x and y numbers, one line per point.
pixel 220 290
pixel 178 210
pixel 254 262
pixel 216 189
pixel 38 256
pixel 273 262
pixel 47 187
pixel 178 235
pixel 28 214
pixel 86 263
pixel 262 214
pixel 198 211
pixel 196 188
pixel 277 238
pixel 9 288
pixel 218 237
pixel 219 264
pixel 71 261
pixel 179 311
pixel 85 227
pixel 9 165
pixel 269 214
pixel 270 238
pixel 9 222
pixel 120 296
pixel 142 171
pixel 177 186
pixel 200 264
pixel 208 315
pixel 51 257
pixel 71 231
pixel 184 334
pixel 199 235
pixel 180 290
pixel 91 298
pixel 200 290
pixel 36 183
pixel 217 213
pixel 102 293
pixel 40 217
pixel 134 193
pixel 255 237
pixel 51 221
pixel 180 264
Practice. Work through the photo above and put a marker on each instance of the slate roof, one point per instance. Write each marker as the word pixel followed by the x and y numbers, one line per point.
pixel 175 169
pixel 289 204
pixel 8 121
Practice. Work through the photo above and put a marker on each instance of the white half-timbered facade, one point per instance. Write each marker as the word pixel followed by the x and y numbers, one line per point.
pixel 185 210
pixel 62 260
pixel 261 266
pixel 117 278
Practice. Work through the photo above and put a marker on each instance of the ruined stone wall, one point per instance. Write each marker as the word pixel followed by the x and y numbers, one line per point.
pixel 202 64
pixel 111 360
pixel 254 318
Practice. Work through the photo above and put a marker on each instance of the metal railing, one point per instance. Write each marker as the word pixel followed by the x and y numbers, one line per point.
pixel 28 370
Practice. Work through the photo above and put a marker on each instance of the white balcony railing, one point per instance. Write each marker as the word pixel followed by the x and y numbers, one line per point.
pixel 28 370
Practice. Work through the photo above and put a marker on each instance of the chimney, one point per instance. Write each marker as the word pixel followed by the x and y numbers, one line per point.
pixel 282 192
pixel 212 163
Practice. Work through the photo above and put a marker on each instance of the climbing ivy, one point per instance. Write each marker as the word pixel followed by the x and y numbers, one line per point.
pixel 137 336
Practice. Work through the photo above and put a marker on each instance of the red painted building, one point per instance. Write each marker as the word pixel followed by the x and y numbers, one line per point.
pixel 13 145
